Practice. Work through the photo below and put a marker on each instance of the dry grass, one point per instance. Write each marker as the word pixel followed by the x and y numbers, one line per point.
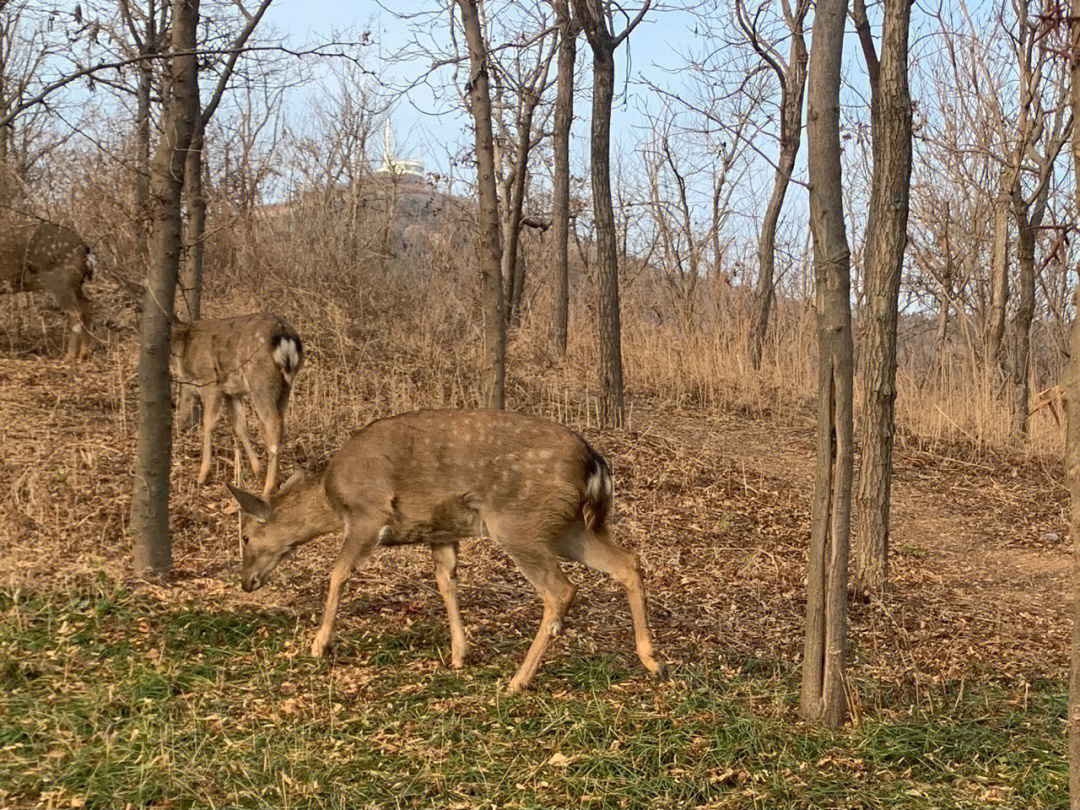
pixel 713 481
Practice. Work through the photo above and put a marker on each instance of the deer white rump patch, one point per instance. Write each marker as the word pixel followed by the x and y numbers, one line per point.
pixel 287 356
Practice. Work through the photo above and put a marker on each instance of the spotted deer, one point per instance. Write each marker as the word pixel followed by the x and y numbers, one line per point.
pixel 45 257
pixel 433 477
pixel 225 359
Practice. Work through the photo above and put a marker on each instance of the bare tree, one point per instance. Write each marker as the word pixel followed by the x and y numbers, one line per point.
pixel 1071 388
pixel 494 383
pixel 823 694
pixel 791 76
pixel 147 26
pixel 594 16
pixel 886 239
pixel 191 271
pixel 1045 123
pixel 568 30
pixel 152 547
pixel 527 80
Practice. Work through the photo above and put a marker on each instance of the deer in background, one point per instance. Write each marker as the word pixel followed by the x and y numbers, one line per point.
pixel 224 359
pixel 44 257
pixel 433 477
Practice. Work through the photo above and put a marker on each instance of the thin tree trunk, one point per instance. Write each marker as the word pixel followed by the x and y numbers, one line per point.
pixel 999 284
pixel 764 290
pixel 1025 312
pixel 494 383
pixel 823 692
pixel 191 270
pixel 792 87
pixel 560 204
pixel 142 135
pixel 593 16
pixel 512 267
pixel 886 240
pixel 1071 387
pixel 612 406
pixel 152 548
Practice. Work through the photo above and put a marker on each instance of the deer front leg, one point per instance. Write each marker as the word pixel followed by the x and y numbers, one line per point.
pixel 359 541
pixel 445 558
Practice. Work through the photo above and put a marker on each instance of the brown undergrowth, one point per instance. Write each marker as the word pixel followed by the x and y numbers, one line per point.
pixel 716 502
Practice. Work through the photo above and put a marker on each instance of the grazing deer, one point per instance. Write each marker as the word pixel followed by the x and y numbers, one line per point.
pixel 44 257
pixel 222 360
pixel 433 477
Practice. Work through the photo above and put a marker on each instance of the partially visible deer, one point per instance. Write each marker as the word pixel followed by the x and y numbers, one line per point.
pixel 222 360
pixel 44 257
pixel 434 477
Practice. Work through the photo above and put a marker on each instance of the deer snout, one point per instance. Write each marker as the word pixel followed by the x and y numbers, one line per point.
pixel 250 583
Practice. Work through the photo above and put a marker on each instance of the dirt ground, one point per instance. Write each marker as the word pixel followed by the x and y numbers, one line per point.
pixel 716 504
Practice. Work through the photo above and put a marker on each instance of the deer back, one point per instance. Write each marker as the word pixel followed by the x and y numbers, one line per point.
pixel 441 468
pixel 36 256
pixel 239 354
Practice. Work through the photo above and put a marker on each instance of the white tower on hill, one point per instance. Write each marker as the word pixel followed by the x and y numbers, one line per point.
pixel 392 163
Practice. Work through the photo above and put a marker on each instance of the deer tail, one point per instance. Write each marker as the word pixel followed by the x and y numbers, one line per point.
pixel 599 492
pixel 288 353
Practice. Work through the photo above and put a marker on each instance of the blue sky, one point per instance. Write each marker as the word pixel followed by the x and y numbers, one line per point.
pixel 654 47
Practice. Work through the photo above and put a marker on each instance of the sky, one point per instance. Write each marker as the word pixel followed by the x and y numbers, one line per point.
pixel 654 48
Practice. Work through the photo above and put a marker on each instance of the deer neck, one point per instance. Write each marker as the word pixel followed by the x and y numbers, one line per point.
pixel 306 512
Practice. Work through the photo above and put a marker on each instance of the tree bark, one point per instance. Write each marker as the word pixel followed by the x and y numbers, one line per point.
pixel 999 279
pixel 1025 312
pixel 153 455
pixel 886 240
pixel 512 266
pixel 823 691
pixel 1071 387
pixel 142 133
pixel 593 16
pixel 494 382
pixel 191 271
pixel 612 404
pixel 792 87
pixel 560 198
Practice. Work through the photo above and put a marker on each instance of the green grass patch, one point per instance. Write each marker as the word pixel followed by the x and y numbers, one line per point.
pixel 109 700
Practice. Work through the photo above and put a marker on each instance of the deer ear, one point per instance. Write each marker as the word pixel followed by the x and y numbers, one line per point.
pixel 251 504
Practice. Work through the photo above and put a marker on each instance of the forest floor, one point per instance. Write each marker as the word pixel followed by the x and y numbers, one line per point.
pixel 184 691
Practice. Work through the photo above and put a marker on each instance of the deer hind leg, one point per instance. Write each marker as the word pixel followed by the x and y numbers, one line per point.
pixel 271 412
pixel 75 305
pixel 445 558
pixel 600 554
pixel 543 571
pixel 211 398
pixel 239 422
pixel 360 536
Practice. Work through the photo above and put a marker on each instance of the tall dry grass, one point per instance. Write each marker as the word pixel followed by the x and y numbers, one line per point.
pixel 389 327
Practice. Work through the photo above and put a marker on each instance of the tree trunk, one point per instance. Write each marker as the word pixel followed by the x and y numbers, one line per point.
pixel 142 135
pixel 612 407
pixel 999 283
pixel 1071 386
pixel 764 289
pixel 494 383
pixel 886 239
pixel 512 267
pixel 793 85
pixel 153 455
pixel 191 271
pixel 560 202
pixel 823 691
pixel 1025 312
